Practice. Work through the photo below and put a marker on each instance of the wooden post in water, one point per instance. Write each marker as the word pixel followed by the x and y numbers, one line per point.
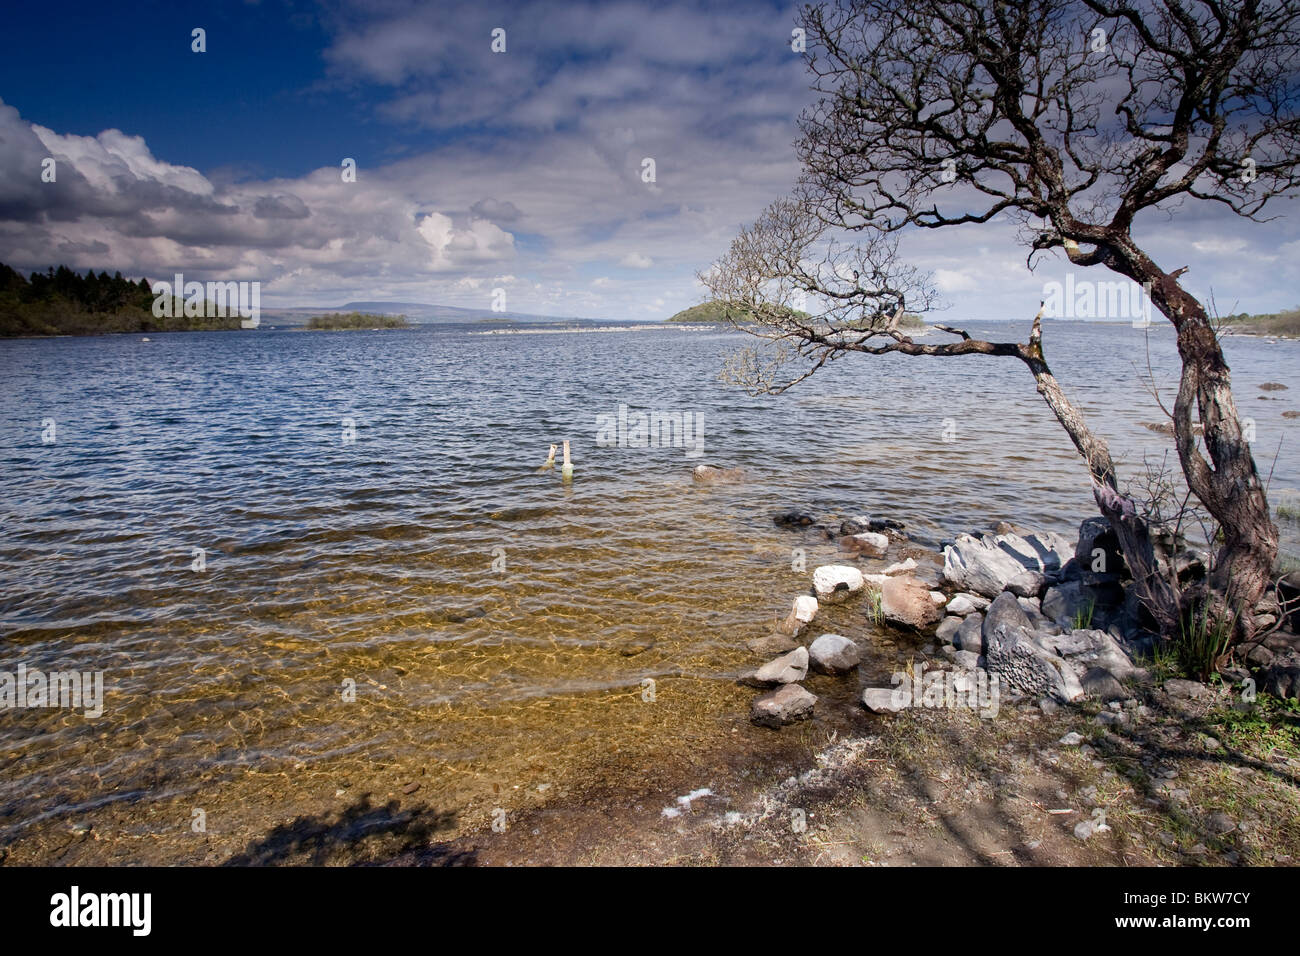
pixel 567 468
pixel 550 461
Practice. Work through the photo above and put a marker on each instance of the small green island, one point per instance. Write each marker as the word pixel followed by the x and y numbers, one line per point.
pixel 715 313
pixel 59 301
pixel 357 320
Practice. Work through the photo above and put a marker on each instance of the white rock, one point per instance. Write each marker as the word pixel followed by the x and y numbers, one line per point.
pixel 939 598
pixel 898 567
pixel 834 583
pixel 804 610
pixel 884 700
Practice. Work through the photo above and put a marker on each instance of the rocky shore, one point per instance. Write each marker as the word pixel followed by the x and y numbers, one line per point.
pixel 1017 615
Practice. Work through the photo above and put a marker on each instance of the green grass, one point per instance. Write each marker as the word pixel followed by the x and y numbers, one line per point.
pixel 873 607
pixel 1203 639
pixel 1083 617
pixel 1271 726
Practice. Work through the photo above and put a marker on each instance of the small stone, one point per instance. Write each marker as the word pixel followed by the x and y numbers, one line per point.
pixel 411 787
pixel 834 654
pixel 1186 689
pixel 786 669
pixel 804 610
pixel 771 644
pixel 970 634
pixel 899 567
pixel 1072 739
pixel 882 700
pixel 946 632
pixel 783 706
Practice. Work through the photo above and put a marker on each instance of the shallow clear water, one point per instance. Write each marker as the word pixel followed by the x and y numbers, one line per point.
pixel 498 623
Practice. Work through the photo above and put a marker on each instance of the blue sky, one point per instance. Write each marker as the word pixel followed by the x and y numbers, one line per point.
pixel 476 170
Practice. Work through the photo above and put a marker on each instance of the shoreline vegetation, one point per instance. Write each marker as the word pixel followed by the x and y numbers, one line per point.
pixel 1285 324
pixel 355 320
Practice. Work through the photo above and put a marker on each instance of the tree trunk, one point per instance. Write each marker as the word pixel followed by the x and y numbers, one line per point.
pixel 1228 484
pixel 1157 594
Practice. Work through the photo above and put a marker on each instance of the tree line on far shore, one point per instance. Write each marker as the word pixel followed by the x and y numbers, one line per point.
pixel 60 301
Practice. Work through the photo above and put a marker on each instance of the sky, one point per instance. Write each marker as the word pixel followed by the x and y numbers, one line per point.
pixel 476 170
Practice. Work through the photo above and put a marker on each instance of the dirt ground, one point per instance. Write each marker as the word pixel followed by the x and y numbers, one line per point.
pixel 1209 781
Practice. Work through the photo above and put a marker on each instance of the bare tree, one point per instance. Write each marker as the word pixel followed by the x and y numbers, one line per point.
pixel 1072 118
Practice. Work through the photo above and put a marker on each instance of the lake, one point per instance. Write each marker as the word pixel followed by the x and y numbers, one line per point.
pixel 318 566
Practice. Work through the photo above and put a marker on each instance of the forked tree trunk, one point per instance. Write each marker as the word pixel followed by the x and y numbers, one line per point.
pixel 1228 484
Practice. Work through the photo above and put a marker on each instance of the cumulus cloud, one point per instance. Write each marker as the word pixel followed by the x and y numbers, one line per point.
pixel 530 161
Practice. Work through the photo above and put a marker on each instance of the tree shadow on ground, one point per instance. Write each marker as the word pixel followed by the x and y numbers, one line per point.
pixel 362 834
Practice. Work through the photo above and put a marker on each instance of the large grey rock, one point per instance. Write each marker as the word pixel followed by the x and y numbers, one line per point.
pixel 1024 665
pixel 905 601
pixel 782 706
pixel 834 654
pixel 987 565
pixel 1103 650
pixel 786 669
pixel 836 583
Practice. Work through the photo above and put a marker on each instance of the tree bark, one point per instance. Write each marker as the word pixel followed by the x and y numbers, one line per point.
pixel 1228 484
pixel 1157 594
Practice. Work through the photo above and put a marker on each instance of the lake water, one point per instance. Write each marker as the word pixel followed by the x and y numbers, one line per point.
pixel 371 514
